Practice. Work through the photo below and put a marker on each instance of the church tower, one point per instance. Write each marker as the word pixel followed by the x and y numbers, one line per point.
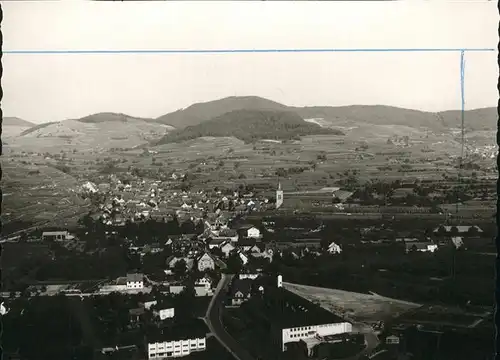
pixel 279 196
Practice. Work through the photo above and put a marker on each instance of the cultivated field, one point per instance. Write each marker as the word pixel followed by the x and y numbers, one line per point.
pixel 356 306
pixel 39 194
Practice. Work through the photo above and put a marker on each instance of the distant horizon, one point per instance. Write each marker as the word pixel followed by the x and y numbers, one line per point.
pixel 241 96
pixel 53 87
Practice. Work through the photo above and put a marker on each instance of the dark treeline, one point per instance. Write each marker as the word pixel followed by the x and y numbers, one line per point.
pixel 43 328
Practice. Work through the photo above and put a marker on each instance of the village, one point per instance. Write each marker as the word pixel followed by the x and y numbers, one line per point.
pixel 192 253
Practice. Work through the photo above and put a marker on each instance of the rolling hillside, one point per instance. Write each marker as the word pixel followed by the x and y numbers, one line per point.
pixel 13 126
pixel 347 116
pixel 99 131
pixel 251 125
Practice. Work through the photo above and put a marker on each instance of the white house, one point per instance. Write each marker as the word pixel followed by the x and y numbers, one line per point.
pixel 253 232
pixel 176 289
pixel 226 248
pixel 205 262
pixel 135 281
pixel 334 248
pixel 205 282
pixel 148 304
pixel 167 313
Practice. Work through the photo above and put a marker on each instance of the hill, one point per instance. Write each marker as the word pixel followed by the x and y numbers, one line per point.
pixel 251 125
pixel 475 120
pixel 110 117
pixel 15 121
pixel 347 116
pixel 94 132
pixel 13 126
pixel 201 112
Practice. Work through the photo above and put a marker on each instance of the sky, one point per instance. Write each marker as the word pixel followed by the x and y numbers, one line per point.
pixel 53 87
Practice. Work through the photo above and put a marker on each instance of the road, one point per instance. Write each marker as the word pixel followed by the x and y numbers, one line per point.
pixel 214 321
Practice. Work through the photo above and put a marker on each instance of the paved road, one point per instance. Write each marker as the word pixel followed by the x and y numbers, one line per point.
pixel 214 322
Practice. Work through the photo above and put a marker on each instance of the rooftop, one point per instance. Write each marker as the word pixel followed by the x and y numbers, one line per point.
pixel 189 329
pixel 288 310
pixel 135 277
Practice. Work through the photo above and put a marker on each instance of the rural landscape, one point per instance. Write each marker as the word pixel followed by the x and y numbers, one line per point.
pixel 381 217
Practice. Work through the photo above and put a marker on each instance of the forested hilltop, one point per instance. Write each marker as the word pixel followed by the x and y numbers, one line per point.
pixel 251 125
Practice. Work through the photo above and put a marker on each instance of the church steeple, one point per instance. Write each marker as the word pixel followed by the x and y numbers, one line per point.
pixel 279 196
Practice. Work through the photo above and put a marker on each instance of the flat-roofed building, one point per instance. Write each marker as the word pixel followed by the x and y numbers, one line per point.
pixel 177 340
pixel 292 318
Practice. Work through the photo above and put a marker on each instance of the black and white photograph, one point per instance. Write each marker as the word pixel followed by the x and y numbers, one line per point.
pixel 249 180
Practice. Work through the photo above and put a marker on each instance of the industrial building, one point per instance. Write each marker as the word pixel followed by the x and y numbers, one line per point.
pixel 294 319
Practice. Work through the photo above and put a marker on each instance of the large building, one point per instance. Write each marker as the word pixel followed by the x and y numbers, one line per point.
pixel 135 281
pixel 177 340
pixel 294 319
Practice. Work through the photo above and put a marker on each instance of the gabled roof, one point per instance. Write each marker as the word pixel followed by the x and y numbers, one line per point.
pixel 204 254
pixel 135 277
pixel 227 243
pixel 241 285
pixel 418 245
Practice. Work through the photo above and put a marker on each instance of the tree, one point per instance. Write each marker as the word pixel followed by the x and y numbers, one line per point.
pixel 180 267
pixel 473 231
pixel 234 263
pixel 188 227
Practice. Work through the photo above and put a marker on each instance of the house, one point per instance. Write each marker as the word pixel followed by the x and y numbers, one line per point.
pixel 457 241
pixel 266 254
pixel 179 340
pixel 229 233
pixel 148 304
pixel 420 247
pixel 251 276
pixel 227 248
pixel 241 291
pixel 216 242
pixel 135 281
pixel 205 281
pixel 136 314
pixel 205 262
pixel 56 236
pixel 164 312
pixel 458 230
pixel 334 248
pixel 172 260
pixel 249 231
pixel 255 249
pixel 243 257
pixel 247 244
pixel 176 289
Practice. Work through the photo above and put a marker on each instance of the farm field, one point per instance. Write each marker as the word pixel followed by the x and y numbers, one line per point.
pixel 38 194
pixel 447 316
